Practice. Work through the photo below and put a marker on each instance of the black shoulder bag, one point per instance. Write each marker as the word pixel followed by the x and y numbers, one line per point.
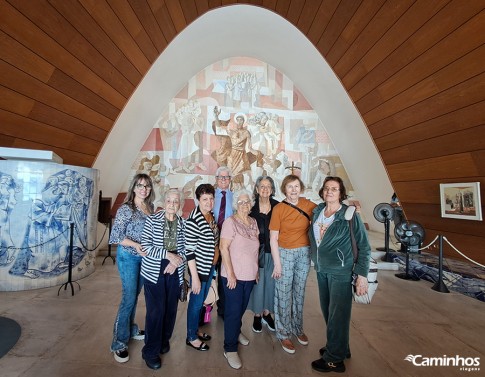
pixel 298 209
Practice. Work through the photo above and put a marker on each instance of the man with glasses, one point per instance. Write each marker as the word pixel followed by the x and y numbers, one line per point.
pixel 222 210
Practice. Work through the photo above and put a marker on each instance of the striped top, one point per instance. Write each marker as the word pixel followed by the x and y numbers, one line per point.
pixel 152 241
pixel 200 242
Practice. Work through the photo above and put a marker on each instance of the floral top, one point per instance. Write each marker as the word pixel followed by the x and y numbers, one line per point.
pixel 128 224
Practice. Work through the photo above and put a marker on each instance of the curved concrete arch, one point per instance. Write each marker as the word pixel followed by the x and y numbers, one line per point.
pixel 244 30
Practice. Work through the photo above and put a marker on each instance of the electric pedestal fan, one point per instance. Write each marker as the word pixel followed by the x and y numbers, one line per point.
pixel 411 235
pixel 383 213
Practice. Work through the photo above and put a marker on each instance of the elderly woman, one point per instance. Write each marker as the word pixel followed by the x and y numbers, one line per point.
pixel 239 250
pixel 262 297
pixel 290 248
pixel 163 267
pixel 334 262
pixel 202 251
pixel 127 230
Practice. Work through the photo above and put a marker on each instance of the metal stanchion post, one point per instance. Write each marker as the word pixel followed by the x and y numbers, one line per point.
pixel 440 285
pixel 69 276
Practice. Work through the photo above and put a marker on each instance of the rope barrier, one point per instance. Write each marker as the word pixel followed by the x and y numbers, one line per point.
pixel 463 255
pixel 60 234
pixel 432 242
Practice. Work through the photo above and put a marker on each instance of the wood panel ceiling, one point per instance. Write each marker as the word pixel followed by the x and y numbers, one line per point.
pixel 413 68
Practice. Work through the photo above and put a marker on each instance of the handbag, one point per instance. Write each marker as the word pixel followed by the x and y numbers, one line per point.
pixel 298 209
pixel 184 291
pixel 261 256
pixel 371 276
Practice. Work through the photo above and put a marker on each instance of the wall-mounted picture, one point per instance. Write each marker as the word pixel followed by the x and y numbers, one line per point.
pixel 461 201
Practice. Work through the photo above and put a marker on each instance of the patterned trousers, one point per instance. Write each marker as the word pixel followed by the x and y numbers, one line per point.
pixel 290 291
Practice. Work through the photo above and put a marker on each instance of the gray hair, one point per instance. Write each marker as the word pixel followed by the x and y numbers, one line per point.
pixel 222 169
pixel 258 182
pixel 177 192
pixel 238 194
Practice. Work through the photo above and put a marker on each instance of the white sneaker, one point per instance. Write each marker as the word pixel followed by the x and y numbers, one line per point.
pixel 233 359
pixel 121 356
pixel 242 339
pixel 140 335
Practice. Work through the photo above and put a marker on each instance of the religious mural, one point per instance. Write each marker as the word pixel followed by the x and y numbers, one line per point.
pixel 244 114
pixel 38 203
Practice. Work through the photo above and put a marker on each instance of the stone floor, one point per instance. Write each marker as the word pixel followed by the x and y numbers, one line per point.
pixel 69 335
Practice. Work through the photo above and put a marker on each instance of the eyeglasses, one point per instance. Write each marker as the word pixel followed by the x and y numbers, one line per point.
pixel 332 189
pixel 223 177
pixel 245 202
pixel 139 186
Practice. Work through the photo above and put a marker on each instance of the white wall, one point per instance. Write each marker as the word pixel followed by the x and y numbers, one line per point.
pixel 244 30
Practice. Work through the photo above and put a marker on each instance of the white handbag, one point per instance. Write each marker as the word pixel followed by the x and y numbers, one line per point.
pixel 372 285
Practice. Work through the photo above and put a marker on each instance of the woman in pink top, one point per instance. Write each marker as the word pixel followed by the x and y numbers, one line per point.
pixel 239 246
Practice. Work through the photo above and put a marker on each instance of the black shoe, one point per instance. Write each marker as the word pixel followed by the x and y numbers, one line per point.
pixel 323 349
pixel 323 366
pixel 257 325
pixel 269 321
pixel 155 363
pixel 202 347
pixel 204 337
pixel 165 349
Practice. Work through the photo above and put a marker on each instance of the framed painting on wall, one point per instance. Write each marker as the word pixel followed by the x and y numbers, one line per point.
pixel 461 201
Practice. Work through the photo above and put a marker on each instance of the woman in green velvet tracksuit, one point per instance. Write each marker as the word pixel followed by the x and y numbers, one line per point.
pixel 331 247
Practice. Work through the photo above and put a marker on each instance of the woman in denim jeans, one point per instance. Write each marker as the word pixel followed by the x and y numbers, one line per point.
pixel 126 232
pixel 202 252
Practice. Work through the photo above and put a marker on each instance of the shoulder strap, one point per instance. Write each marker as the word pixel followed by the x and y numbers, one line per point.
pixel 298 209
pixel 349 216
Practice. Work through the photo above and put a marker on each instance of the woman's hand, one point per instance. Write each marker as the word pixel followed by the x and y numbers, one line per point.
pixel 276 271
pixel 174 259
pixel 195 285
pixel 231 281
pixel 170 269
pixel 139 249
pixel 361 285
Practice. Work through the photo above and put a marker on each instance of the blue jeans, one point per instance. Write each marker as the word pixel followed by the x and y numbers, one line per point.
pixel 236 303
pixel 162 301
pixel 195 305
pixel 131 282
pixel 335 293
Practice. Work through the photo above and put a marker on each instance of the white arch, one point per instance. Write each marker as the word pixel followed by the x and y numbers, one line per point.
pixel 245 30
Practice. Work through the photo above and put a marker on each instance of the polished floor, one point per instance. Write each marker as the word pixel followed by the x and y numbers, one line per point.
pixel 70 335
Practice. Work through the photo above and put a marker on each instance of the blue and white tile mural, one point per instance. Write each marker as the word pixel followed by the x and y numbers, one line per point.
pixel 38 203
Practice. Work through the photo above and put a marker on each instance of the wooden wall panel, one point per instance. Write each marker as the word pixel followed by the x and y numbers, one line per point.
pixel 451 166
pixel 164 21
pixel 120 73
pixel 307 16
pixel 111 25
pixel 410 22
pixel 321 20
pixel 461 119
pixel 413 68
pixel 359 21
pixel 468 140
pixel 387 15
pixel 457 97
pixel 147 34
pixel 339 21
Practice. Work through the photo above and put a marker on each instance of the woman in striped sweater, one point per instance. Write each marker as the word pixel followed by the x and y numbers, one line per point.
pixel 202 250
pixel 163 268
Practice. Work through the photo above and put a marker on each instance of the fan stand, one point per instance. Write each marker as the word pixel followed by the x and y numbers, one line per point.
pixel 406 275
pixel 387 257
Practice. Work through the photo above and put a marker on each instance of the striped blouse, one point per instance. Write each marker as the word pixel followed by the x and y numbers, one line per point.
pixel 200 242
pixel 152 241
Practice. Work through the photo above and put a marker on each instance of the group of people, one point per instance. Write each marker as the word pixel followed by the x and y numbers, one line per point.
pixel 261 251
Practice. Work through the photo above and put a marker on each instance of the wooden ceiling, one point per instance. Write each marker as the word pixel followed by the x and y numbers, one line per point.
pixel 413 68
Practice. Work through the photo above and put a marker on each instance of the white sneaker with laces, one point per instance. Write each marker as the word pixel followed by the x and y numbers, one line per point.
pixel 233 359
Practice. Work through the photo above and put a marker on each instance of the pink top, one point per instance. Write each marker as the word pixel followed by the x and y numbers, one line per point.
pixel 244 248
